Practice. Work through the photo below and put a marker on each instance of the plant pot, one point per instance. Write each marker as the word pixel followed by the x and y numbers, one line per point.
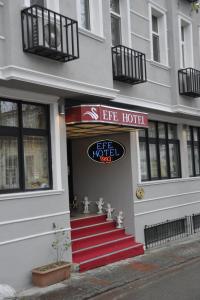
pixel 51 274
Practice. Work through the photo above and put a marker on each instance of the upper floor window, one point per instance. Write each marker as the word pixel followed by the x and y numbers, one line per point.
pixel 159 52
pixel 159 151
pixel 185 40
pixel 193 146
pixel 90 15
pixel 38 2
pixel 50 4
pixel 115 22
pixel 24 147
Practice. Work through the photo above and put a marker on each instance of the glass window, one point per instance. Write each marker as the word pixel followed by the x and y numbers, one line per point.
pixel 8 114
pixel 115 22
pixel 9 167
pixel 155 39
pixel 34 116
pixel 193 147
pixel 24 147
pixel 85 14
pixel 162 151
pixel 36 162
pixel 38 2
pixel 155 24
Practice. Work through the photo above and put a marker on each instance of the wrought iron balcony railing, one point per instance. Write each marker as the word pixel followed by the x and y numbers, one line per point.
pixel 49 34
pixel 128 65
pixel 189 82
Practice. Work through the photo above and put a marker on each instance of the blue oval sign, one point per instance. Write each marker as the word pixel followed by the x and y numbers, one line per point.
pixel 106 151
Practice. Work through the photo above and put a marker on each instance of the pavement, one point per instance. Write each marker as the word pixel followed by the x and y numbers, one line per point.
pixel 153 263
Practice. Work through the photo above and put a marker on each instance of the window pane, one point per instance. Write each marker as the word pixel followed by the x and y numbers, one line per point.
pixel 143 161
pixel 153 161
pixel 36 162
pixel 34 116
pixel 114 6
pixel 182 34
pixel 188 133
pixel 196 159
pixel 189 149
pixel 161 131
pixel 174 159
pixel 85 14
pixel 8 114
pixel 115 30
pixel 163 160
pixel 195 134
pixel 142 133
pixel 156 48
pixel 9 168
pixel 38 2
pixel 155 24
pixel 152 130
pixel 172 131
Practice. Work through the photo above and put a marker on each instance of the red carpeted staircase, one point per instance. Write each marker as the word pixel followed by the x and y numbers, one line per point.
pixel 97 242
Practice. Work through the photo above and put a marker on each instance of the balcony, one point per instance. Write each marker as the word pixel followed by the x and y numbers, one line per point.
pixel 49 34
pixel 129 66
pixel 189 82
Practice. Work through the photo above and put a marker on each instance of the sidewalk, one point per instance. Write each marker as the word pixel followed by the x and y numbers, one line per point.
pixel 94 282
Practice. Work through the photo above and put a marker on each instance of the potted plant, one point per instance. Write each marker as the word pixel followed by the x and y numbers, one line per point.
pixel 58 270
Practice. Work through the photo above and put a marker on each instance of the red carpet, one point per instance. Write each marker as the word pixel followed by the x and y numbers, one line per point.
pixel 97 242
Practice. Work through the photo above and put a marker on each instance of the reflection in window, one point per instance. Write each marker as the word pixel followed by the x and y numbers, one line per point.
pixel 85 14
pixel 143 161
pixel 115 22
pixel 34 116
pixel 36 162
pixel 8 114
pixel 193 146
pixel 9 168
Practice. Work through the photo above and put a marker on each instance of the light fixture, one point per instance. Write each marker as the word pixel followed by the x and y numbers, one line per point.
pixel 61 108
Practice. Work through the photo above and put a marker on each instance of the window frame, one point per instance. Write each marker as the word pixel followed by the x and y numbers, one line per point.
pixel 19 132
pixel 193 145
pixel 119 17
pixel 188 42
pixel 160 13
pixel 50 4
pixel 157 141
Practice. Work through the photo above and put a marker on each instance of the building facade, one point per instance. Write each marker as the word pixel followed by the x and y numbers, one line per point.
pixel 135 56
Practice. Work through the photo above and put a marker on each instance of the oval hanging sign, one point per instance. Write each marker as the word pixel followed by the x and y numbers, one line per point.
pixel 106 151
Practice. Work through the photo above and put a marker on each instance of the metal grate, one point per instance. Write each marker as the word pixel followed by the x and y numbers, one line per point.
pixel 49 34
pixel 196 222
pixel 128 65
pixel 163 232
pixel 189 82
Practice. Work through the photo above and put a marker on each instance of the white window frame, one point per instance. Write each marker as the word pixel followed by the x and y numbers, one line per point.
pixel 119 17
pixel 51 4
pixel 160 13
pixel 188 42
pixel 96 17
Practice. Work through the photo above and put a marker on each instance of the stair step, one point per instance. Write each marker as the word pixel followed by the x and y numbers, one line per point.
pixel 103 250
pixel 92 229
pixel 111 257
pixel 89 220
pixel 103 246
pixel 102 237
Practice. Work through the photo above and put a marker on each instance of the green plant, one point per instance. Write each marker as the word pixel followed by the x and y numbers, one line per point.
pixel 195 6
pixel 61 242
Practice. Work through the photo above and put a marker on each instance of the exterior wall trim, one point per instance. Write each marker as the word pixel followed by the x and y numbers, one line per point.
pixel 141 37
pixel 165 208
pixel 24 195
pixel 139 15
pixel 1 3
pixel 28 237
pixel 32 76
pixel 34 218
pixel 2 37
pixel 91 35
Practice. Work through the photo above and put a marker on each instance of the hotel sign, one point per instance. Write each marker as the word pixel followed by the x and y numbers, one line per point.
pixel 106 151
pixel 107 115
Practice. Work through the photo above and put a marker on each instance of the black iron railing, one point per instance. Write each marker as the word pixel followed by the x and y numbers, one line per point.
pixel 49 34
pixel 189 82
pixel 196 222
pixel 163 232
pixel 128 65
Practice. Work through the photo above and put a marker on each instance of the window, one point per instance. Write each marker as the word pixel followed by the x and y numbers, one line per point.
pixel 90 15
pixel 185 37
pixel 159 152
pixel 24 147
pixel 50 4
pixel 193 146
pixel 158 31
pixel 115 22
pixel 38 2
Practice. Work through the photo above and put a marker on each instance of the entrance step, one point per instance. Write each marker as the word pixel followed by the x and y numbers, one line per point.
pixel 97 242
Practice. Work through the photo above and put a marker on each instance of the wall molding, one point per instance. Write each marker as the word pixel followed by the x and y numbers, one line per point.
pixel 22 196
pixel 1 3
pixel 2 37
pixel 159 83
pixel 165 208
pixel 28 237
pixel 34 218
pixel 140 36
pixel 132 11
pixel 12 72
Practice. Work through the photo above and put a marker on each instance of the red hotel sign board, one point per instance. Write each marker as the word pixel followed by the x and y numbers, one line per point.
pixel 107 115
